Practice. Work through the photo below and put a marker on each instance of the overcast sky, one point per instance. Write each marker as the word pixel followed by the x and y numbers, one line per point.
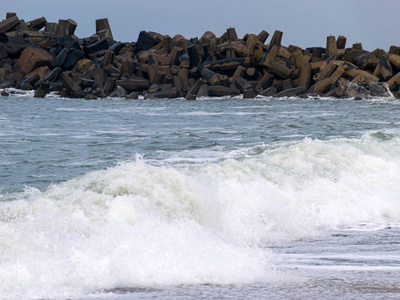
pixel 304 23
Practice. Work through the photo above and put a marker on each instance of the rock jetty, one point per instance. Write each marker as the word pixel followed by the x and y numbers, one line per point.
pixel 48 57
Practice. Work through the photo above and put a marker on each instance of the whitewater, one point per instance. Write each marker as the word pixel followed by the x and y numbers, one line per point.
pixel 211 199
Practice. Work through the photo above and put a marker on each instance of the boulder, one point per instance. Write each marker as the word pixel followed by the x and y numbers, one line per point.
pixel 32 58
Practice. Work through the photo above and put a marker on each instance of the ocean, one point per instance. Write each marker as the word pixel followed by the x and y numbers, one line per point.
pixel 208 199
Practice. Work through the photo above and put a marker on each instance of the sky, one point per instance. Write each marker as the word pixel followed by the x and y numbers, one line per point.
pixel 304 23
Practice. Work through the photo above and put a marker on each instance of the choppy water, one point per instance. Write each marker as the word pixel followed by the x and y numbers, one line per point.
pixel 209 199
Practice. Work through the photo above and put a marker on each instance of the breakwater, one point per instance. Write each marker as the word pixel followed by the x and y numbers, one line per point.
pixel 48 57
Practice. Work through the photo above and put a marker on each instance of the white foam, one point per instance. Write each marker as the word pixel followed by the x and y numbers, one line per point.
pixel 142 225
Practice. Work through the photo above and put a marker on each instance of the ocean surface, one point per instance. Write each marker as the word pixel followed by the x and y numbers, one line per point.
pixel 208 199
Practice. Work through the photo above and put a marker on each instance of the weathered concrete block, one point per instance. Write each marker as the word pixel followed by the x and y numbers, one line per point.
pixel 96 46
pixel 101 25
pixel 385 68
pixel 279 69
pixel 337 74
pixel 9 24
pixel 133 96
pixel 73 88
pixel 321 86
pixel 194 56
pixel 168 94
pixel 51 28
pixel 225 64
pixel 133 84
pixel 219 91
pixel 10 15
pixel 145 42
pixel 249 94
pixel 37 24
pixel 175 54
pixel 292 92
pixel 276 38
pixel 325 72
pixel 269 92
pixel 264 83
pixel 31 80
pixel 367 77
pixel 394 50
pixel 41 71
pixel 108 58
pixel 15 45
pixel 83 65
pixel 195 88
pixel 331 48
pixel 231 34
pixel 66 27
pixel 242 84
pixel 203 91
pixel 392 82
pixel 210 76
pixel 3 53
pixel 43 89
pixel 53 75
pixel 67 58
pixel 341 42
pixel 32 58
pixel 262 36
pixel 287 84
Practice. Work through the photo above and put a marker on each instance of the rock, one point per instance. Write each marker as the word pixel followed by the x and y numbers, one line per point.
pixel 32 58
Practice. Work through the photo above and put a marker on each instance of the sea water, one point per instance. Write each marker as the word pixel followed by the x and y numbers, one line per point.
pixel 209 199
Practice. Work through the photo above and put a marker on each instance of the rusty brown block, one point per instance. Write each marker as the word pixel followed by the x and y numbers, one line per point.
pixel 321 86
pixel 32 58
pixel 262 36
pixel 276 38
pixel 331 48
pixel 73 87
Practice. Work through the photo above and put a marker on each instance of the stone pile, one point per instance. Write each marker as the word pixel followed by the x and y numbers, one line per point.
pixel 48 57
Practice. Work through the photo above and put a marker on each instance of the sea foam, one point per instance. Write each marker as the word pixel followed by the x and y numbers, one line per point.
pixel 141 225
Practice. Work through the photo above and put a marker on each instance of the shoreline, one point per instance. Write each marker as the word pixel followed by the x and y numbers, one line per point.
pixel 47 57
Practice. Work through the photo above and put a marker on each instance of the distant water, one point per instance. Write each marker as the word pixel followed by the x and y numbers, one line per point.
pixel 208 199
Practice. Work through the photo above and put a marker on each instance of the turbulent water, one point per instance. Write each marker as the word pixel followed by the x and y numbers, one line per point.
pixel 208 199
